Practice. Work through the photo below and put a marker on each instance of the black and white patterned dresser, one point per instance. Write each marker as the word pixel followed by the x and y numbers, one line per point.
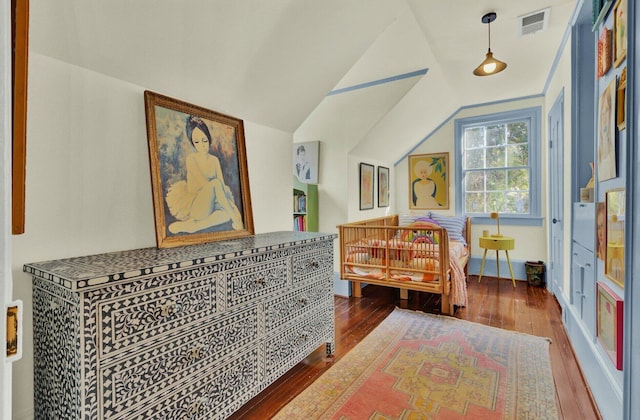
pixel 178 333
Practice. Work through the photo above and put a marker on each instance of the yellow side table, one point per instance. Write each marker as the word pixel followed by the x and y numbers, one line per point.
pixel 499 243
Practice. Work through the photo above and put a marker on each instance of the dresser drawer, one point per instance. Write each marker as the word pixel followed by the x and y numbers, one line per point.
pixel 257 280
pixel 284 309
pixel 288 347
pixel 584 224
pixel 214 394
pixel 133 378
pixel 127 317
pixel 314 262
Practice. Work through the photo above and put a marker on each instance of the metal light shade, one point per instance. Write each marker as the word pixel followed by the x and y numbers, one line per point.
pixel 490 65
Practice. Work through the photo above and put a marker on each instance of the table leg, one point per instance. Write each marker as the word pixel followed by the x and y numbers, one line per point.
pixel 513 280
pixel 484 257
pixel 498 263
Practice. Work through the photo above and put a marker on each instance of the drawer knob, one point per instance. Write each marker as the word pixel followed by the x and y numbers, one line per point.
pixel 196 407
pixel 303 301
pixel 168 309
pixel 313 265
pixel 260 281
pixel 196 353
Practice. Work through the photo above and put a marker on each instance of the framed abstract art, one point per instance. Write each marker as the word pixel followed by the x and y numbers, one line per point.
pixel 383 186
pixel 609 325
pixel 607 133
pixel 366 186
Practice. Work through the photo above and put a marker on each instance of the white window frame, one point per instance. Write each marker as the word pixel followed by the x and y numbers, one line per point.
pixel 533 117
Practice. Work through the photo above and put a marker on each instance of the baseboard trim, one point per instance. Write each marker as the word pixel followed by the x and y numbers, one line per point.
pixel 490 269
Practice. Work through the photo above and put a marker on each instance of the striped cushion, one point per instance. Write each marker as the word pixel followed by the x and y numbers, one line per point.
pixel 408 218
pixel 454 224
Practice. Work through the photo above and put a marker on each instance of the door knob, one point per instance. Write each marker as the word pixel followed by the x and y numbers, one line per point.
pixel 555 220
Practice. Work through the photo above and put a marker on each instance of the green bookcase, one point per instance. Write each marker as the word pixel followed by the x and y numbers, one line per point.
pixel 305 206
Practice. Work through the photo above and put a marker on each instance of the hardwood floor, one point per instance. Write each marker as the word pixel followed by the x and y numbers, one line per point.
pixel 493 302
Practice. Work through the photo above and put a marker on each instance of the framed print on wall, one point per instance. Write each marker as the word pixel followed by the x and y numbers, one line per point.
pixel 619 32
pixel 366 186
pixel 305 161
pixel 614 260
pixel 604 52
pixel 607 133
pixel 601 230
pixel 621 101
pixel 383 186
pixel 199 175
pixel 429 181
pixel 609 328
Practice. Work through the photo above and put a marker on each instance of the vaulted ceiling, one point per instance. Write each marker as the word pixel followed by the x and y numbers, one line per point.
pixel 276 62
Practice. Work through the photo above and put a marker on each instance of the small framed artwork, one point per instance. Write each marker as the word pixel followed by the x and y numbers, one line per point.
pixel 604 52
pixel 14 330
pixel 366 186
pixel 199 175
pixel 305 161
pixel 619 32
pixel 609 328
pixel 429 181
pixel 383 186
pixel 601 230
pixel 621 101
pixel 606 133
pixel 614 259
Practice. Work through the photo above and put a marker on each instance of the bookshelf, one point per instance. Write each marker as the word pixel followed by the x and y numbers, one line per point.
pixel 305 206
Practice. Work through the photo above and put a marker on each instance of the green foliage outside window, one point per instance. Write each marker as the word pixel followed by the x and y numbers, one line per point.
pixel 496 168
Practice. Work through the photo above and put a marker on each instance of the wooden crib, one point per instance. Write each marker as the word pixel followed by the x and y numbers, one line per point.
pixel 419 256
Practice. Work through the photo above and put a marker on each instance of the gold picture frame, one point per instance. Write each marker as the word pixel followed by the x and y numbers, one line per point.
pixel 621 101
pixel 614 258
pixel 199 174
pixel 429 181
pixel 619 32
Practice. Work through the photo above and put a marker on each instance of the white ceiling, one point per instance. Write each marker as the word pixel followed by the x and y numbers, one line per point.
pixel 273 62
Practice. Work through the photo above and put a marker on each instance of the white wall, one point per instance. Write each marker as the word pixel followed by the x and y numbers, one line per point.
pixel 88 183
pixel 441 141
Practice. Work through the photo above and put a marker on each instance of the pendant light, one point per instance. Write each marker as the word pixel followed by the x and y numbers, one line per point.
pixel 490 65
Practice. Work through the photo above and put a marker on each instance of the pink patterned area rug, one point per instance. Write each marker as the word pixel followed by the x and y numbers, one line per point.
pixel 421 366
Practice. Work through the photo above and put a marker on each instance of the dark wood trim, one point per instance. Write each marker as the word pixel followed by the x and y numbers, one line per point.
pixel 20 60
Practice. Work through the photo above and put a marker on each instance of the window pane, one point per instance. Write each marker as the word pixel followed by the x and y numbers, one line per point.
pixel 498 157
pixel 517 202
pixel 495 157
pixel 518 132
pixel 495 202
pixel 474 137
pixel 474 203
pixel 518 180
pixel 474 181
pixel 474 159
pixel 495 135
pixel 518 155
pixel 496 180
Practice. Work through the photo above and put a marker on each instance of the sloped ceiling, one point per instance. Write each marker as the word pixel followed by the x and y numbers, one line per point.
pixel 274 62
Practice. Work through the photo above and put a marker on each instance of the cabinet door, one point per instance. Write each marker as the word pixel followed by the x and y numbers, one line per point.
pixel 583 285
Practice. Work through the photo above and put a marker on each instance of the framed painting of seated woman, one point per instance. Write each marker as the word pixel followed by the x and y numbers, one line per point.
pixel 199 175
pixel 429 181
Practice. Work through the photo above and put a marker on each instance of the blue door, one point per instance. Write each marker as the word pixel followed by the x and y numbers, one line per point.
pixel 556 196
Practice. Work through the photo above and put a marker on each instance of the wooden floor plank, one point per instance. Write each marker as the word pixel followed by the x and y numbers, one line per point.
pixel 494 302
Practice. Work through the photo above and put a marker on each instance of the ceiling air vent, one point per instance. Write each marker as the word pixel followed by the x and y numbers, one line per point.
pixel 533 22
